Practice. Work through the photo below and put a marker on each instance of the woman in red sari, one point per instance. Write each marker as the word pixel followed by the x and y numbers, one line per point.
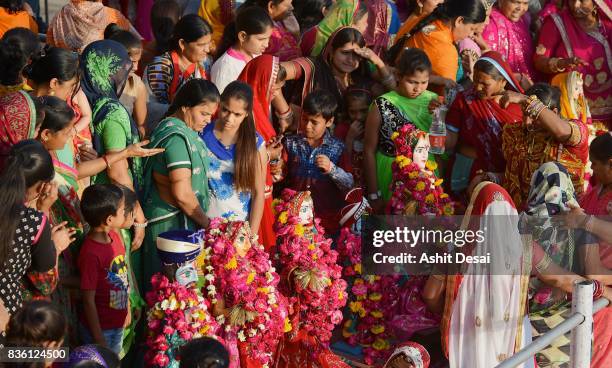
pixel 266 76
pixel 475 122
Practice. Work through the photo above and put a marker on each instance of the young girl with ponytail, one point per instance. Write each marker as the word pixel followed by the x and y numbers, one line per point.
pixel 244 39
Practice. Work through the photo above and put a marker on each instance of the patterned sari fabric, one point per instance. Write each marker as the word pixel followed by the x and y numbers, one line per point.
pixel 551 192
pixel 217 13
pixel 17 121
pixel 283 44
pixel 106 66
pixel 164 76
pixel 340 15
pixel 512 40
pixel 531 147
pixel 562 37
pixel 383 23
pixel 82 22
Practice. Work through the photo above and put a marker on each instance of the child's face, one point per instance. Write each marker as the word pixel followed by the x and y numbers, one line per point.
pixel 413 85
pixel 135 55
pixel 357 109
pixel 313 126
pixel 118 220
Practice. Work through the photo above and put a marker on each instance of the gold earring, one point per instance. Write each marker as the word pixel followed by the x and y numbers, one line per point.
pixel 52 93
pixel 420 9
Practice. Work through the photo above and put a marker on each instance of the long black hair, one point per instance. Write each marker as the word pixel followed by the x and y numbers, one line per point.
pixel 251 20
pixel 17 46
pixel 193 93
pixel 164 16
pixel 52 62
pixel 472 11
pixel 189 29
pixel 247 159
pixel 27 164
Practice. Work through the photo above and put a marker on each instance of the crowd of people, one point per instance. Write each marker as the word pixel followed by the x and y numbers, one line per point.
pixel 187 187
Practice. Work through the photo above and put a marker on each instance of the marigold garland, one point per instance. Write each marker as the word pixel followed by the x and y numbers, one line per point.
pixel 415 191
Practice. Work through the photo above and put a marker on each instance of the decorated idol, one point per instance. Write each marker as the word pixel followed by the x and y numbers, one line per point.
pixel 311 278
pixel 177 310
pixel 241 284
pixel 416 189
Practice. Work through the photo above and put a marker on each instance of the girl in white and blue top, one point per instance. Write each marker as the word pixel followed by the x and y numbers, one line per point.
pixel 237 159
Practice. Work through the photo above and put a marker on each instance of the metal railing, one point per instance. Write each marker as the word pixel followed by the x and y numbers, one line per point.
pixel 580 323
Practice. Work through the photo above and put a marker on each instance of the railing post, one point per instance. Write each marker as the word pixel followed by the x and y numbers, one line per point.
pixel 582 302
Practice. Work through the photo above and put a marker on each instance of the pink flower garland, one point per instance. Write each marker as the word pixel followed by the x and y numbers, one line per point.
pixel 373 303
pixel 415 191
pixel 248 286
pixel 310 266
pixel 176 315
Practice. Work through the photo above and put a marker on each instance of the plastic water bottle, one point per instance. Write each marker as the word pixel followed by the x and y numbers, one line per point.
pixel 437 131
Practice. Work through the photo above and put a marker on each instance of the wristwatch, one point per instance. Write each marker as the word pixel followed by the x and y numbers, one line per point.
pixel 375 196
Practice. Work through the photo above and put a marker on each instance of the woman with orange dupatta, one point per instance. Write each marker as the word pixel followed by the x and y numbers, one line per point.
pixel 484 320
pixel 266 77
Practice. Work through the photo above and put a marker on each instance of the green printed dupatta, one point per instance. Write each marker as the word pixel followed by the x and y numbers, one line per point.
pixel 161 215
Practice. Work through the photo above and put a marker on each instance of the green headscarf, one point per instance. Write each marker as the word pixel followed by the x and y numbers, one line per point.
pixel 340 15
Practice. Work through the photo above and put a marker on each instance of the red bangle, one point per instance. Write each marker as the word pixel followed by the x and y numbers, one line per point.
pixel 598 289
pixel 106 161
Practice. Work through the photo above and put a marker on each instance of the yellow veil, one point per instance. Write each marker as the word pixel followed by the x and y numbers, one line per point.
pixel 572 108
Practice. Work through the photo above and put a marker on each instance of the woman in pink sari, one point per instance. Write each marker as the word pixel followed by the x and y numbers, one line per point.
pixel 579 38
pixel 508 33
pixel 598 202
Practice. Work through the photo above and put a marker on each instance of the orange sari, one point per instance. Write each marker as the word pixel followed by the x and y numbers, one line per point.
pixel 20 19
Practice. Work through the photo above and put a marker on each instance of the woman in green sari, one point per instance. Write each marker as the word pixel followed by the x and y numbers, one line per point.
pixel 408 104
pixel 175 183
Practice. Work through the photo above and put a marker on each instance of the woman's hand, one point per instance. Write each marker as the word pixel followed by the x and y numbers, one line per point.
pixel 575 218
pixel 511 97
pixel 62 236
pixel 571 62
pixel 139 235
pixel 524 80
pixel 87 153
pixel 138 150
pixel 371 56
pixel 434 104
pixel 48 196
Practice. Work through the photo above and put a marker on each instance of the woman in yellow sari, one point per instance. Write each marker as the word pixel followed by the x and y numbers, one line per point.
pixel 217 13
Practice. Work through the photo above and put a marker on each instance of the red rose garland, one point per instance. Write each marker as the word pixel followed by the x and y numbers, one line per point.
pixel 310 266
